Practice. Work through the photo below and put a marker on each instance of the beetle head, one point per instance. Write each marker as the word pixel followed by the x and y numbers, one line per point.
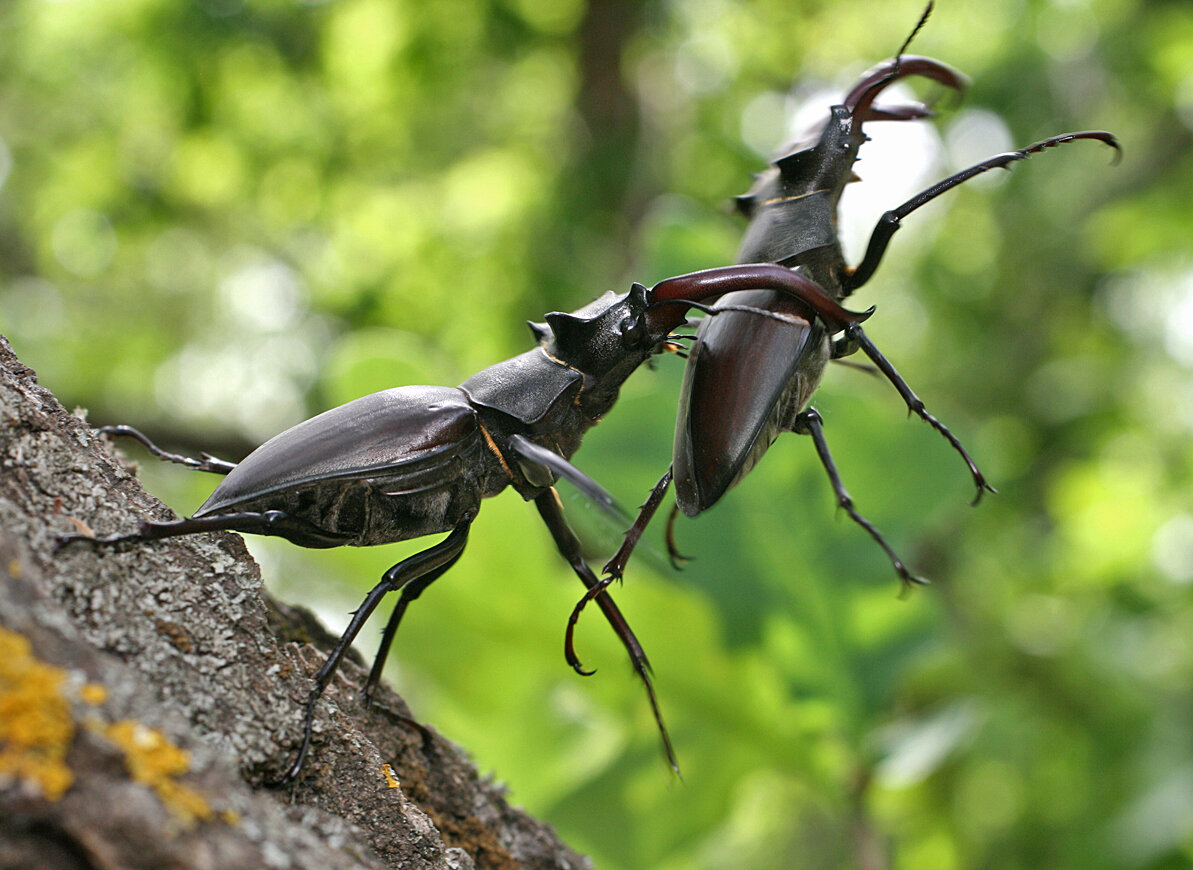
pixel 610 333
pixel 826 162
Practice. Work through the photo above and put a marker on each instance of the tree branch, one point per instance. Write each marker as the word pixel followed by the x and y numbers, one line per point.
pixel 146 693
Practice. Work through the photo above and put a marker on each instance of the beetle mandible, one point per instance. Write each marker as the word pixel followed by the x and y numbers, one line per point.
pixel 414 461
pixel 749 378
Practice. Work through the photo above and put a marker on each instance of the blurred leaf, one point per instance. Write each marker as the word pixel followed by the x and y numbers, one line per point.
pixel 219 217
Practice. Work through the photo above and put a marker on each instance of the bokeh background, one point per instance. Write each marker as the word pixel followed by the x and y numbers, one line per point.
pixel 218 217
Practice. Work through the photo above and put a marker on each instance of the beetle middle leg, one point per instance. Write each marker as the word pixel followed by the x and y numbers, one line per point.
pixel 809 422
pixel 410 592
pixel 431 562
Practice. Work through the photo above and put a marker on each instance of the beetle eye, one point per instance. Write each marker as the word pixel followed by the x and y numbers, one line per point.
pixel 633 331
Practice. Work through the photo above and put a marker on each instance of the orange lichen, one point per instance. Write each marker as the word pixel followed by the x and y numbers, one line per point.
pixel 94 694
pixel 36 726
pixel 390 779
pixel 229 817
pixel 154 761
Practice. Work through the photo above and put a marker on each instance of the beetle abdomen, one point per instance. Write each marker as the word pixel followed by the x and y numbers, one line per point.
pixel 739 388
pixel 346 468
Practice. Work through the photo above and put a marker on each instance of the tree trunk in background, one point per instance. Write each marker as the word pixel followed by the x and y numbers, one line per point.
pixel 147 693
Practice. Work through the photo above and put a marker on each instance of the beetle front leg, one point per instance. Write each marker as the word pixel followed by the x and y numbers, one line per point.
pixel 432 561
pixel 890 222
pixel 615 567
pixel 809 422
pixel 569 546
pixel 855 337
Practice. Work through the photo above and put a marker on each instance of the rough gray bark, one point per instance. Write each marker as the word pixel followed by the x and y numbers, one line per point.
pixel 191 653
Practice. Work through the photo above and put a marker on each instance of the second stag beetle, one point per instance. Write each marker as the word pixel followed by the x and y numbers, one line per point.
pixel 749 378
pixel 418 460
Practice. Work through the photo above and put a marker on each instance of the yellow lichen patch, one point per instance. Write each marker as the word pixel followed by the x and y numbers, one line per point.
pixel 390 779
pixel 36 726
pixel 94 694
pixel 154 761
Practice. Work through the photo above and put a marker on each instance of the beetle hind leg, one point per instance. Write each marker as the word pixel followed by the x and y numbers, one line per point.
pixel 205 462
pixel 809 422
pixel 274 523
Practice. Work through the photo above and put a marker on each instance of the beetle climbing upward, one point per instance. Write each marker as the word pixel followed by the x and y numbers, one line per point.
pixel 750 378
pixel 415 461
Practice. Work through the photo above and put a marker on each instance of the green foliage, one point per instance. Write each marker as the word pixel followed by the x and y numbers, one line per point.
pixel 220 216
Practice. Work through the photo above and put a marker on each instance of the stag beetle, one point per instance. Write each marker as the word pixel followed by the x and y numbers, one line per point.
pixel 749 378
pixel 418 460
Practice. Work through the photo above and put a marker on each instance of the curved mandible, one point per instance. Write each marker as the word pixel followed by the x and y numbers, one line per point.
pixel 682 291
pixel 860 100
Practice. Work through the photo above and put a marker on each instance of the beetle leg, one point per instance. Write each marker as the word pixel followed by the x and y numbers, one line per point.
pixel 559 466
pixel 855 337
pixel 569 546
pixel 615 567
pixel 809 422
pixel 677 558
pixel 889 223
pixel 432 561
pixel 410 592
pixel 274 523
pixel 205 462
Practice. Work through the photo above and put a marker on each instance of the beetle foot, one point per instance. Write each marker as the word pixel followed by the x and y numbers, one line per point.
pixel 982 488
pixel 677 559
pixel 117 541
pixel 979 479
pixel 308 725
pixel 569 653
pixel 909 581
pixel 569 637
pixel 205 462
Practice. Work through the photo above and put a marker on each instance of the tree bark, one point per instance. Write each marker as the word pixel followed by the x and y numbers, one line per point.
pixel 147 693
